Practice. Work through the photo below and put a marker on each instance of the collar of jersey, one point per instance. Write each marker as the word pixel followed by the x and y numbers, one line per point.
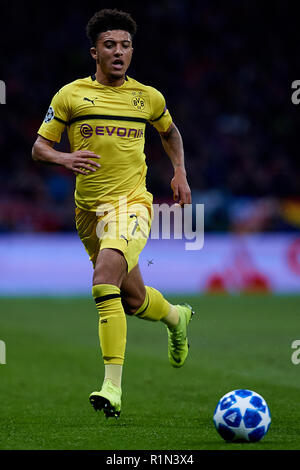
pixel 98 84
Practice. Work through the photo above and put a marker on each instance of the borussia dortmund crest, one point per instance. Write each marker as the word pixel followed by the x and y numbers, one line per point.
pixel 138 102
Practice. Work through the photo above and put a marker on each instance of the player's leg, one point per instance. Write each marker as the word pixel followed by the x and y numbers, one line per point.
pixel 110 269
pixel 133 291
pixel 148 303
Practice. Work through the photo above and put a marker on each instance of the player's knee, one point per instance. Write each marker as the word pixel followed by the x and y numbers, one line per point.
pixel 110 268
pixel 132 304
pixel 107 276
pixel 101 276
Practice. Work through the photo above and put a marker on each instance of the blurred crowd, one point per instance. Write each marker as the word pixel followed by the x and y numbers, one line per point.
pixel 225 69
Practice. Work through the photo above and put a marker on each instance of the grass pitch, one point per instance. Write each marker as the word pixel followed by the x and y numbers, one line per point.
pixel 53 363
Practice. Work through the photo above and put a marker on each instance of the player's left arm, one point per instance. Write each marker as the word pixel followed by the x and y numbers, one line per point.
pixel 173 145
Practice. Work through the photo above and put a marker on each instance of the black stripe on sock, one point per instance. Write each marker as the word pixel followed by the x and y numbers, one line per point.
pixel 103 298
pixel 144 310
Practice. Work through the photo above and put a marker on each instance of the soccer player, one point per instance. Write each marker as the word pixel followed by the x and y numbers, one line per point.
pixel 106 115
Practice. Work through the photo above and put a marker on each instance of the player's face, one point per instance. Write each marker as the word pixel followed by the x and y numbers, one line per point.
pixel 113 53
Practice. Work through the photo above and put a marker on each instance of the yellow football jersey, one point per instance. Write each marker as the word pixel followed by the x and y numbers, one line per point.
pixel 111 122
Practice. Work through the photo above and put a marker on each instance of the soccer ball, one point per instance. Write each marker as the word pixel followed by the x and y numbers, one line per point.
pixel 242 415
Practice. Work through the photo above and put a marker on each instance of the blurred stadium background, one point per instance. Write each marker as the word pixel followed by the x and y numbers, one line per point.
pixel 226 70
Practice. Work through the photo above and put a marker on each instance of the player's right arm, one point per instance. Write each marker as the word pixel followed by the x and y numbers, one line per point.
pixel 56 119
pixel 78 161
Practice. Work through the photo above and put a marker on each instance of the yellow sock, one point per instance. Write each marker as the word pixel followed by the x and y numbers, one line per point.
pixel 155 306
pixel 113 372
pixel 112 323
pixel 172 319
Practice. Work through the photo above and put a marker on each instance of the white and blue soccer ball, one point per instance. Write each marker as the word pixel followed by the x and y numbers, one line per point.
pixel 242 415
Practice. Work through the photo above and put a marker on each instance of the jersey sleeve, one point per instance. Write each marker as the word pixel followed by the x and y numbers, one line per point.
pixel 160 116
pixel 56 118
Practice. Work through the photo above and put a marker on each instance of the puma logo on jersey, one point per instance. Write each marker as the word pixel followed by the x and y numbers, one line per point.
pixel 88 99
pixel 122 236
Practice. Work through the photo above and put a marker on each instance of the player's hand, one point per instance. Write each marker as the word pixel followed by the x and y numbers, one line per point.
pixel 181 189
pixel 80 161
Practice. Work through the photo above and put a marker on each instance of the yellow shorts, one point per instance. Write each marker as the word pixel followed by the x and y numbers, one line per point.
pixel 124 227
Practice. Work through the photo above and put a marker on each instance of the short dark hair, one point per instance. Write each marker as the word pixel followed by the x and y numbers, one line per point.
pixel 105 20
